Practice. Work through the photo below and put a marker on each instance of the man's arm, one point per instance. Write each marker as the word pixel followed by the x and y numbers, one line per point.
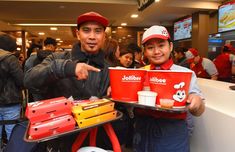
pixel 50 70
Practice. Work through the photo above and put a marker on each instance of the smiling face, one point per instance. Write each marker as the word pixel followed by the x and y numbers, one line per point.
pixel 91 35
pixel 158 50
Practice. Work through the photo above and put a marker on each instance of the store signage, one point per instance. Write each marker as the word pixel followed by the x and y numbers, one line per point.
pixel 144 4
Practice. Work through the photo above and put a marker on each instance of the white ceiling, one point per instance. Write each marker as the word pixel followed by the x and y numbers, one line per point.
pixel 117 11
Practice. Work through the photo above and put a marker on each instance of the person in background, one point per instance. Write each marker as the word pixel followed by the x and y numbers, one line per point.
pixel 36 58
pixel 225 63
pixel 126 58
pixel 49 48
pixel 111 51
pixel 80 73
pixel 203 67
pixel 138 55
pixel 179 55
pixel 157 131
pixel 11 83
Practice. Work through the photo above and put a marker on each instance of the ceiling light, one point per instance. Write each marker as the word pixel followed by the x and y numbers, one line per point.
pixel 41 33
pixel 124 24
pixel 113 31
pixel 134 15
pixel 119 27
pixel 53 28
pixel 157 0
pixel 57 39
pixel 61 41
pixel 29 24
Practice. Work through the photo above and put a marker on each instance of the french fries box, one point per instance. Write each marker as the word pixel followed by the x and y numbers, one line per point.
pixel 96 119
pixel 172 87
pixel 48 109
pixel 125 83
pixel 89 108
pixel 51 127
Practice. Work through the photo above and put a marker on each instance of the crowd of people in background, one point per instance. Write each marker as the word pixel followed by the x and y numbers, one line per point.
pixel 49 74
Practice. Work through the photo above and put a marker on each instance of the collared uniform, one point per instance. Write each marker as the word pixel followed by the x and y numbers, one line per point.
pixel 161 131
pixel 205 68
pixel 224 63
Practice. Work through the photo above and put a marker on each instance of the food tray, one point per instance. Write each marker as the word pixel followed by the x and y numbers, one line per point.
pixel 137 105
pixel 76 130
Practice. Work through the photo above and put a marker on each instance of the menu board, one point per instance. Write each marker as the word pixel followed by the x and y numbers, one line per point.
pixel 226 17
pixel 183 29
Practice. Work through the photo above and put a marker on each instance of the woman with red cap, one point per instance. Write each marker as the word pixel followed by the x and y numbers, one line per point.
pixel 157 131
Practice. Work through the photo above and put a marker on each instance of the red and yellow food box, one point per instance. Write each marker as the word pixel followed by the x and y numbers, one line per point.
pixel 89 108
pixel 96 119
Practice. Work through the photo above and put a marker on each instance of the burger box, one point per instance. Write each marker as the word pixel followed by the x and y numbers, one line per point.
pixel 88 108
pixel 96 119
pixel 48 109
pixel 51 127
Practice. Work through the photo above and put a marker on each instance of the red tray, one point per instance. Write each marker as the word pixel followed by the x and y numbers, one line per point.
pixel 76 130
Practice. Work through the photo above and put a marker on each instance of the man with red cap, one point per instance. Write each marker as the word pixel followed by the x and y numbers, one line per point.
pixel 157 131
pixel 225 64
pixel 81 73
pixel 203 67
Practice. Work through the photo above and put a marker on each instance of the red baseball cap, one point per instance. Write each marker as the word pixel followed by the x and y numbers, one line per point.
pixel 191 54
pixel 92 16
pixel 155 32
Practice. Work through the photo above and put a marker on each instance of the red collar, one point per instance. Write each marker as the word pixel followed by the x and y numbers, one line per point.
pixel 165 66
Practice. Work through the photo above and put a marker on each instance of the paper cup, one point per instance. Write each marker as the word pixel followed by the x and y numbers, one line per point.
pixel 147 98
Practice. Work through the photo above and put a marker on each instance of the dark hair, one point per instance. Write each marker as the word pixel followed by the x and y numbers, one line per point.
pixel 49 41
pixel 125 50
pixel 110 48
pixel 7 42
pixel 226 49
pixel 134 47
pixel 181 50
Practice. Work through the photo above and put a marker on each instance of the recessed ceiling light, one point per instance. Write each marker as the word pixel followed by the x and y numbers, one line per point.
pixel 53 28
pixel 61 41
pixel 134 15
pixel 57 39
pixel 119 27
pixel 124 24
pixel 114 32
pixel 157 0
pixel 41 33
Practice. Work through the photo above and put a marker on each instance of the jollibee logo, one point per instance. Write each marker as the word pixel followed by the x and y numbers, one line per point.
pixel 180 94
pixel 156 80
pixel 131 78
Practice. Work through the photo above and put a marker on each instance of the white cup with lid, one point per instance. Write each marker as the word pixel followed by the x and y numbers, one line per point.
pixel 147 98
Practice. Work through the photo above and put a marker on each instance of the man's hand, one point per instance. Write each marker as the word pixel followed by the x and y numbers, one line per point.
pixel 196 106
pixel 81 70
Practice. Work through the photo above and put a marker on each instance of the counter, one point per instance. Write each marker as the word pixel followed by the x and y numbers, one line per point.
pixel 215 130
